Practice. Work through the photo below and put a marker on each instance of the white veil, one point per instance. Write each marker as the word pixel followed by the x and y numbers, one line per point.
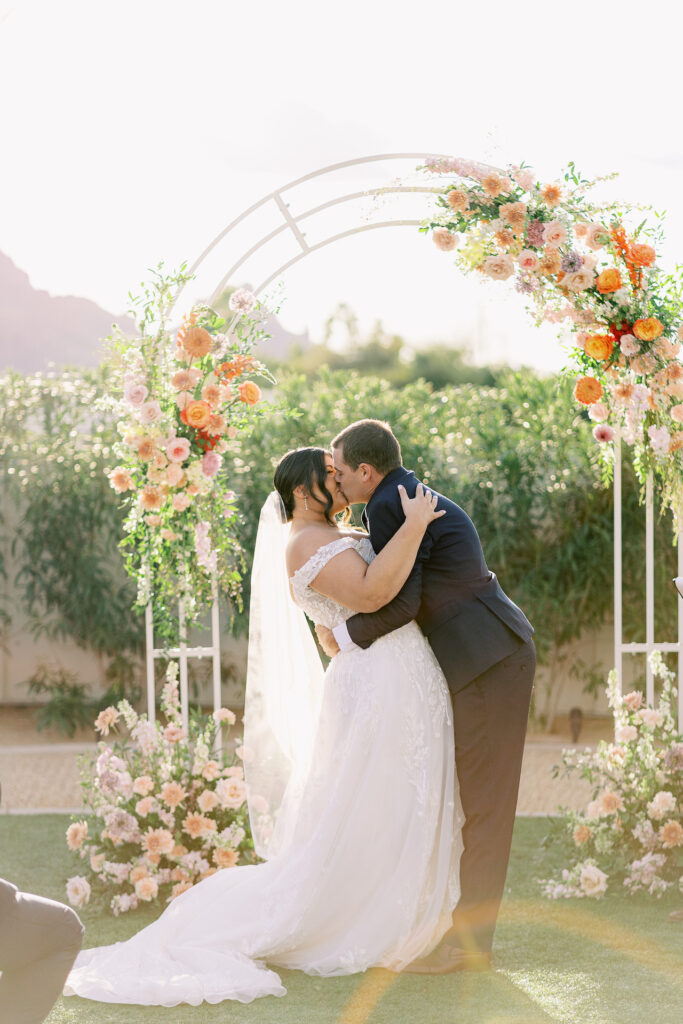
pixel 284 690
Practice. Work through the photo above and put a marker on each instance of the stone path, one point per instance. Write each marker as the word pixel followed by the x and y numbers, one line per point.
pixel 44 777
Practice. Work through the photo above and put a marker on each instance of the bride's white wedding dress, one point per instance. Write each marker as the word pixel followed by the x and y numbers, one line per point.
pixel 369 875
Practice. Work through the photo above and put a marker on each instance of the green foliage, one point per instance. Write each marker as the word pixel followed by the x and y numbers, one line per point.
pixel 68 708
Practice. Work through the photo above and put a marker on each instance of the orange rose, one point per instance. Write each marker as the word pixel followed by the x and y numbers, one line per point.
pixel 250 392
pixel 608 281
pixel 197 342
pixel 648 329
pixel 197 414
pixel 642 255
pixel 587 390
pixel 599 346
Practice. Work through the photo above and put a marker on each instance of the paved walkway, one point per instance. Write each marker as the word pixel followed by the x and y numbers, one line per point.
pixel 45 777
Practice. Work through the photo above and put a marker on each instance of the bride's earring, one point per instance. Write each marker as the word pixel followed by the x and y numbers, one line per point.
pixel 305 503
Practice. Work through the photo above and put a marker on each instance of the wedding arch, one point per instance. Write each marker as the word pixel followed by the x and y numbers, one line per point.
pixel 284 214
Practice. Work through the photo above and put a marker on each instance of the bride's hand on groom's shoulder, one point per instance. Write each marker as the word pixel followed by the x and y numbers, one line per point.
pixel 326 640
pixel 421 509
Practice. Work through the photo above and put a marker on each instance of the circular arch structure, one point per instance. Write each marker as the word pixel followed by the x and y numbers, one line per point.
pixel 296 223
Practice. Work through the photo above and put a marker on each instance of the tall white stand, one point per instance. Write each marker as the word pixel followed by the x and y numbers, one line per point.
pixel 182 653
pixel 620 648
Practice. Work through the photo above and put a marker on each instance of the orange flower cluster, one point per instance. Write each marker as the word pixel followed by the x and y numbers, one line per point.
pixel 635 255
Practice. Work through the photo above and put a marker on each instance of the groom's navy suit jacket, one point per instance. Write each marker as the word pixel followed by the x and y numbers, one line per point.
pixel 458 603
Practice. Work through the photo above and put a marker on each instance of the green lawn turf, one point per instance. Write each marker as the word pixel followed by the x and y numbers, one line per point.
pixel 614 961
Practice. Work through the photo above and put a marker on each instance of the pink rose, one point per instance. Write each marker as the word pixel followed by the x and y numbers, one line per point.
pixel 135 394
pixel 598 412
pixel 633 700
pixel 178 449
pixel 527 260
pixel 150 412
pixel 629 345
pixel 499 267
pixel 211 463
pixel 554 233
pixel 589 263
pixel 173 474
pixel 444 239
pixel 180 502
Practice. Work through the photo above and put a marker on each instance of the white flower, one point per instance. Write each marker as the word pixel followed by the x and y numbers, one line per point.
pixel 662 803
pixel 78 891
pixel 593 881
pixel 626 733
pixel 242 301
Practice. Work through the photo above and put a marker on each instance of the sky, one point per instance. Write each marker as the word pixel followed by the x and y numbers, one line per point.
pixel 134 132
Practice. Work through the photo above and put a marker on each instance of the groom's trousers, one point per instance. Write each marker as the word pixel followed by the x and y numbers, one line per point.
pixel 490 719
pixel 39 941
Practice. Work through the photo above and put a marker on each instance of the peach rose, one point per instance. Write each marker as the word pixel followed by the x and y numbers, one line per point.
pixel 197 414
pixel 146 889
pixel 597 236
pixel 235 771
pixel 599 346
pixel 225 858
pixel 579 280
pixel 608 281
pixel 121 480
pixel 666 349
pixel 504 238
pixel 580 230
pixel 554 233
pixel 207 801
pixel 174 475
pixel 76 834
pixel 648 329
pixel 499 267
pixel 677 413
pixel 180 502
pixel 211 770
pixel 197 342
pixel 458 199
pixel 179 889
pixel 587 390
pixel 145 806
pixel 444 239
pixel 187 379
pixel 173 733
pixel 676 443
pixel 138 872
pixel 633 700
pixel 642 255
pixel 249 392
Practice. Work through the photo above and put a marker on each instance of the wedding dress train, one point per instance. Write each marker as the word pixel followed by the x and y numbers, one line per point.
pixel 369 874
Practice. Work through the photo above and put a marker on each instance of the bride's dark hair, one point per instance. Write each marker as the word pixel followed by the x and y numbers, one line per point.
pixel 306 466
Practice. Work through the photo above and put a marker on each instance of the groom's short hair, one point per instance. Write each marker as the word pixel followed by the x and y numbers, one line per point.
pixel 370 441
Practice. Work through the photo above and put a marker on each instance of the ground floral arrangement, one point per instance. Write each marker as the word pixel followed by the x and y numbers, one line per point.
pixel 579 266
pixel 631 833
pixel 180 398
pixel 168 809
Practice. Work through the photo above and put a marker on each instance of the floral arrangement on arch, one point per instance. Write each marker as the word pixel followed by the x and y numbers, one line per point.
pixel 169 809
pixel 631 833
pixel 181 398
pixel 579 266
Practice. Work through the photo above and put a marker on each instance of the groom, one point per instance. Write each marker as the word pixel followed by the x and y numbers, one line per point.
pixel 483 644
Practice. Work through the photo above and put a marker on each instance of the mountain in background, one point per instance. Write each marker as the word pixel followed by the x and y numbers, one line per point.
pixel 37 328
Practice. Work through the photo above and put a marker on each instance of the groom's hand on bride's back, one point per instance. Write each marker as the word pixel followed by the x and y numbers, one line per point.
pixel 326 640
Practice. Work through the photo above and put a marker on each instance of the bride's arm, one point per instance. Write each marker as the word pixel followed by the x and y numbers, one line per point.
pixel 350 581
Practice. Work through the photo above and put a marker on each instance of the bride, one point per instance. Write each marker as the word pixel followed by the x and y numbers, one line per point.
pixel 350 775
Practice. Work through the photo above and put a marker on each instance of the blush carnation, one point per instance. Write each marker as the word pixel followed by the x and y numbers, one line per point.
pixel 603 433
pixel 629 345
pixel 242 301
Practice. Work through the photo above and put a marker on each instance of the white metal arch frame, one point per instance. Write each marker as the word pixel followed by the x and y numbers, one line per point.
pixel 293 223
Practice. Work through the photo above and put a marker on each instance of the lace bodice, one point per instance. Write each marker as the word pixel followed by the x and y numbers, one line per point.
pixel 319 608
